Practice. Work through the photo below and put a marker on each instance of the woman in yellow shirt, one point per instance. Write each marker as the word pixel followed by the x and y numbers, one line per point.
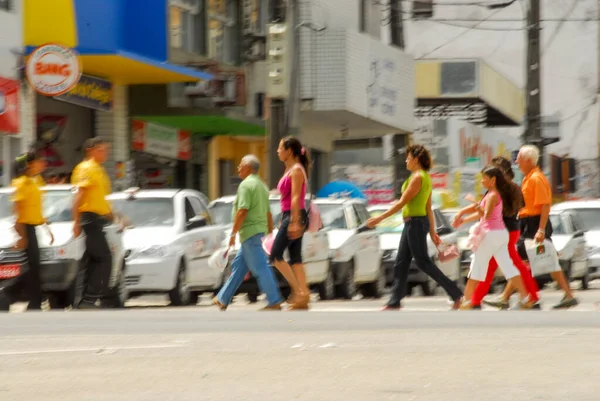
pixel 27 201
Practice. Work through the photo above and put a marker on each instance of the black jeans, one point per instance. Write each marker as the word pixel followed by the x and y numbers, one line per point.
pixel 97 256
pixel 413 244
pixel 34 282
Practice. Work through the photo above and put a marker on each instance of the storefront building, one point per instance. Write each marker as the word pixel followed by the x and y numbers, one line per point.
pixel 460 106
pixel 131 50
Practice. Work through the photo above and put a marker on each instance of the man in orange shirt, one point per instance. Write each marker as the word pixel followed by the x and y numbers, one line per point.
pixel 533 218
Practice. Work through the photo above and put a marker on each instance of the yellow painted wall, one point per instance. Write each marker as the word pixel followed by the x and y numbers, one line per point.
pixel 500 93
pixel 428 79
pixel 232 148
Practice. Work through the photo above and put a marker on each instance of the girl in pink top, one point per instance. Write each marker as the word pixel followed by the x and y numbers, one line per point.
pixel 492 236
pixel 294 220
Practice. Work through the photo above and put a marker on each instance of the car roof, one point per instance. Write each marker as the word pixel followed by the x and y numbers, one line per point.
pixel 231 198
pixel 147 193
pixel 46 188
pixel 339 201
pixel 583 204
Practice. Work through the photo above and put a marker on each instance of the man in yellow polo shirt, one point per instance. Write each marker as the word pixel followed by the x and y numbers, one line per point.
pixel 91 212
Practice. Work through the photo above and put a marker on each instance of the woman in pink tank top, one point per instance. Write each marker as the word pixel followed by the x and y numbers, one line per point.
pixel 490 236
pixel 294 220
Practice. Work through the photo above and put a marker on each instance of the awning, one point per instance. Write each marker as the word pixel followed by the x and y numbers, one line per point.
pixel 207 125
pixel 123 41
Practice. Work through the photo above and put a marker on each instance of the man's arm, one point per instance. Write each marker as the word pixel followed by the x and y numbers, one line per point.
pixel 544 218
pixel 240 216
pixel 270 222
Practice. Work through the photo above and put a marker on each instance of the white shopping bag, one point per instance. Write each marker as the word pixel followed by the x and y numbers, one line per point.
pixel 219 259
pixel 543 258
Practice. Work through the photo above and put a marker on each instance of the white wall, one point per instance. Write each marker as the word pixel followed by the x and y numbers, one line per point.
pixel 10 39
pixel 569 64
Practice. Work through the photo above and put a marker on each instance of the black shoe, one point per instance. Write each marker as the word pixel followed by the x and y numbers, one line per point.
pixel 476 307
pixel 537 306
pixel 567 303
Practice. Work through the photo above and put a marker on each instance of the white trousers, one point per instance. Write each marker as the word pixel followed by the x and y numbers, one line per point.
pixel 493 245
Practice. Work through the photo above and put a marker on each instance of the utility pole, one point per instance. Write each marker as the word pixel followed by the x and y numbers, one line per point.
pixel 533 127
pixel 278 83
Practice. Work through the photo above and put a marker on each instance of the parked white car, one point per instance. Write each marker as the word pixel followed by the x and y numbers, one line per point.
pixel 170 237
pixel 390 231
pixel 576 238
pixel 315 251
pixel 59 262
pixel 355 256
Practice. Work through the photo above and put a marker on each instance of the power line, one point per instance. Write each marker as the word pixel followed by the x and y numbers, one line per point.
pixel 459 35
pixel 475 27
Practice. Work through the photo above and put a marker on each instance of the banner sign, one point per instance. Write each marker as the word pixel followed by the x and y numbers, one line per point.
pixel 90 92
pixel 161 141
pixel 475 113
pixel 9 106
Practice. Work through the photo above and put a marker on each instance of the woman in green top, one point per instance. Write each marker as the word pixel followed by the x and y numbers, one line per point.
pixel 415 204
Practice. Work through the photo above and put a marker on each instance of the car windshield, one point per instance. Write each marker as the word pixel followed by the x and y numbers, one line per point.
pixel 590 218
pixel 56 208
pixel 558 228
pixel 393 224
pixel 146 212
pixel 332 216
pixel 222 212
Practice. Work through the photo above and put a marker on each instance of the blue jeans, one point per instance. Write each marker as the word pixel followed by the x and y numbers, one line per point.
pixel 251 257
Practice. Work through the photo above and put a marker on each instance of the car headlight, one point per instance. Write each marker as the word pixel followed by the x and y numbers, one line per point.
pixel 155 251
pixel 53 253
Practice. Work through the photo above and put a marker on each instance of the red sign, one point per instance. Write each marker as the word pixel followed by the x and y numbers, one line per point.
pixel 439 180
pixel 9 106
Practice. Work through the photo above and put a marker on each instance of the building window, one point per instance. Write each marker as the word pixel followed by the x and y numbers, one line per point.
pixel 6 5
pixel 188 25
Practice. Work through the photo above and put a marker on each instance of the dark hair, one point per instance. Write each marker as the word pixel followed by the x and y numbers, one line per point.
pixel 509 191
pixel 93 142
pixel 420 153
pixel 21 162
pixel 505 165
pixel 292 143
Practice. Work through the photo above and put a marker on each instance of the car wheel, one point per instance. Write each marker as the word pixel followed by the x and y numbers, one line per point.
pixel 180 295
pixel 585 282
pixel 326 289
pixel 375 289
pixel 194 297
pixel 426 288
pixel 253 297
pixel 4 302
pixel 348 287
pixel 120 291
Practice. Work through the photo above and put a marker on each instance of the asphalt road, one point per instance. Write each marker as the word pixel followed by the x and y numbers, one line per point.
pixel 338 351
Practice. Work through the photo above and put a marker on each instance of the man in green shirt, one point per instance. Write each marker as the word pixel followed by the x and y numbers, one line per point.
pixel 252 220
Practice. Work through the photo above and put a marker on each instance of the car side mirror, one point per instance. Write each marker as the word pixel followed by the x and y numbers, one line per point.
pixel 196 222
pixel 443 230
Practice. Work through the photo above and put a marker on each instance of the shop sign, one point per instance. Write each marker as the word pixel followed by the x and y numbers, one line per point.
pixel 161 141
pixel 9 106
pixel 475 113
pixel 53 69
pixel 90 92
pixel 439 180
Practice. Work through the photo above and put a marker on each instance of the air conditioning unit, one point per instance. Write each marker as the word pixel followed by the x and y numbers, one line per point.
pixel 228 93
pixel 198 89
pixel 255 52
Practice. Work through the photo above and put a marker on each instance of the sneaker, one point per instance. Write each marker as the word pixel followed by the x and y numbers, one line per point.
pixel 567 303
pixel 391 307
pixel 498 303
pixel 221 306
pixel 86 305
pixel 522 306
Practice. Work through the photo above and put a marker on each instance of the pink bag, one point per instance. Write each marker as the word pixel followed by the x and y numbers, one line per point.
pixel 447 253
pixel 267 243
pixel 476 234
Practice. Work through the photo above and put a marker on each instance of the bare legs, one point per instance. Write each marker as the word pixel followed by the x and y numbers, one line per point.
pixel 296 277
